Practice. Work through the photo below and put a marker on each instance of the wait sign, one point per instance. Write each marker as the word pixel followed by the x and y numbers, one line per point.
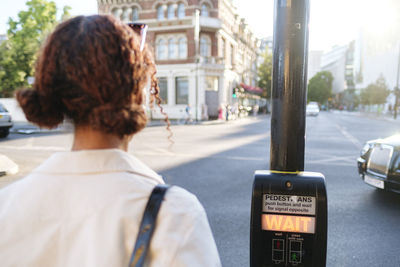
pixel 287 223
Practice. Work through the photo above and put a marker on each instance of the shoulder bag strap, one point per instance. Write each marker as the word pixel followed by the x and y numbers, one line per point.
pixel 147 225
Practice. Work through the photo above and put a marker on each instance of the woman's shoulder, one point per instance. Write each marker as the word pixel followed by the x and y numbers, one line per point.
pixel 179 200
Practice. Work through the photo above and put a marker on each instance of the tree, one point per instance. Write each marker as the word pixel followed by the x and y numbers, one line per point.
pixel 375 93
pixel 265 74
pixel 18 54
pixel 320 87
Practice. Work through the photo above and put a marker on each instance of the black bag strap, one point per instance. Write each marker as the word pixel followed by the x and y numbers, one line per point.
pixel 147 225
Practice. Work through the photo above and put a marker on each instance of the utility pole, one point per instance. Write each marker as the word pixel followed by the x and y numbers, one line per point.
pixel 274 244
pixel 289 85
pixel 397 88
pixel 197 56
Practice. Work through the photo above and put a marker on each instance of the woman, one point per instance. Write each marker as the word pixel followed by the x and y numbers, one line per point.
pixel 84 207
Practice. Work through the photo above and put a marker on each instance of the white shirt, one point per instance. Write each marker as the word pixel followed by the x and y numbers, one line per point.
pixel 83 208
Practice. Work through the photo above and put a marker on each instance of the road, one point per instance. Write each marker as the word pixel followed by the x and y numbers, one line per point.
pixel 217 163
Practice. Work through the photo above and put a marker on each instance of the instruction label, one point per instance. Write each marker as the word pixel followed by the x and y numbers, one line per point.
pixel 289 204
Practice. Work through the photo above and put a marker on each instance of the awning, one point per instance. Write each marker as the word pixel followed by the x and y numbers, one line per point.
pixel 251 89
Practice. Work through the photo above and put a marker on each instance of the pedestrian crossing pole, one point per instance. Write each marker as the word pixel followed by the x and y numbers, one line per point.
pixel 289 85
pixel 289 206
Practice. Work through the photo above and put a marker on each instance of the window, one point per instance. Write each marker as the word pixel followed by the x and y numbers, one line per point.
pixel 163 86
pixel 182 90
pixel 161 53
pixel 172 48
pixel 205 46
pixel 126 15
pixel 117 12
pixel 182 49
pixel 135 14
pixel 212 83
pixel 204 10
pixel 171 12
pixel 181 10
pixel 160 12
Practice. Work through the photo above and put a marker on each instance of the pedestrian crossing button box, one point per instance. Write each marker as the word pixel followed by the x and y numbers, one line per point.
pixel 288 220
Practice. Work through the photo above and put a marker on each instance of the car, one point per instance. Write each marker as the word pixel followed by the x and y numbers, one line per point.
pixel 5 122
pixel 379 163
pixel 312 109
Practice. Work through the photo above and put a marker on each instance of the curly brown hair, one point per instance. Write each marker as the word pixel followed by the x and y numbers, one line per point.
pixel 92 71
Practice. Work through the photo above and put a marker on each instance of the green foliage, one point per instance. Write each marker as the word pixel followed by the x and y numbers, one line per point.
pixel 375 93
pixel 265 74
pixel 25 35
pixel 320 87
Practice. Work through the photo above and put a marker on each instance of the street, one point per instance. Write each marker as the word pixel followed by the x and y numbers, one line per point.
pixel 216 162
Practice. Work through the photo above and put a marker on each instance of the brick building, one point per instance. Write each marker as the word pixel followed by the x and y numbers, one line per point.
pixel 203 50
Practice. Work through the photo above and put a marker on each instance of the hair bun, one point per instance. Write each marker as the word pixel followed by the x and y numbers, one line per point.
pixel 37 110
pixel 119 121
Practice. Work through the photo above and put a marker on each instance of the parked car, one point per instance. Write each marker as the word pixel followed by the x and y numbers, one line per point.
pixel 379 163
pixel 5 122
pixel 312 109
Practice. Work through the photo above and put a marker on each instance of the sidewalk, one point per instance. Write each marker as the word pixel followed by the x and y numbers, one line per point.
pixel 22 127
pixel 371 115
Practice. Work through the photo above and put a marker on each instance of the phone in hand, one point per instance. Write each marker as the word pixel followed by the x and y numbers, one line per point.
pixel 141 30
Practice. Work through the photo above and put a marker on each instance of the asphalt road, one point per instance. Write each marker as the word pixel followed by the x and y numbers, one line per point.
pixel 217 163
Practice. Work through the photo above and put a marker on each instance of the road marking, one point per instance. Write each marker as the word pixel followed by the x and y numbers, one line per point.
pixel 198 156
pixel 349 136
pixel 324 158
pixel 332 161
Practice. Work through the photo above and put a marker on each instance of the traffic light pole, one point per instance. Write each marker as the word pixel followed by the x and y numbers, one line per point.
pixel 289 85
pixel 289 211
pixel 397 88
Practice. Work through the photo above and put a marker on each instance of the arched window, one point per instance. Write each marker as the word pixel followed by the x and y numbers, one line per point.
pixel 161 49
pixel 204 10
pixel 171 11
pixel 181 10
pixel 126 15
pixel 117 12
pixel 205 46
pixel 160 12
pixel 172 48
pixel 182 48
pixel 135 14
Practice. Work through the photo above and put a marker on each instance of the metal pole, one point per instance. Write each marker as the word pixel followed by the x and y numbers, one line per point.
pixel 397 88
pixel 197 56
pixel 289 85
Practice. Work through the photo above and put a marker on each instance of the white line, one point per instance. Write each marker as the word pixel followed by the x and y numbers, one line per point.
pixel 349 136
pixel 197 156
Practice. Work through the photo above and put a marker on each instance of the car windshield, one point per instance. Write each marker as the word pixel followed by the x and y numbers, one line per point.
pixel 2 108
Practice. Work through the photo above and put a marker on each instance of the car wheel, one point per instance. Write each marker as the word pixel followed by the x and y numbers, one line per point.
pixel 4 133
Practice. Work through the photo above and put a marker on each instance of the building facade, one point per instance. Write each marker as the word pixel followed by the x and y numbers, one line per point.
pixel 203 50
pixel 314 63
pixel 335 62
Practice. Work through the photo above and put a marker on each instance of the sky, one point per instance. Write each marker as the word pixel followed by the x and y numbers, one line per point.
pixel 332 22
